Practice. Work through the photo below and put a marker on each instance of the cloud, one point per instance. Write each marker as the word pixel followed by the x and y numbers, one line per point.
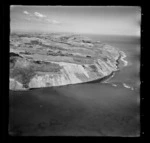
pixel 55 22
pixel 25 12
pixel 52 21
pixel 36 16
pixel 39 15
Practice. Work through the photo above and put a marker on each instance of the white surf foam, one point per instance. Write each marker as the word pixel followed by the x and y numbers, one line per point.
pixel 123 56
pixel 114 84
pixel 127 86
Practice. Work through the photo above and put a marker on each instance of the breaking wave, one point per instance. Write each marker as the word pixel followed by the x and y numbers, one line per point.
pixel 123 56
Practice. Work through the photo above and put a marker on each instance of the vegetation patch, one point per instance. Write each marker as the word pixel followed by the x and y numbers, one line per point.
pixel 105 59
pixel 83 60
pixel 45 66
pixel 94 68
pixel 22 75
pixel 13 59
pixel 35 42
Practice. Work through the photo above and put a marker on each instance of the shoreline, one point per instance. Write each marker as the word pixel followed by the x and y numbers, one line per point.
pixel 106 73
pixel 104 79
pixel 100 80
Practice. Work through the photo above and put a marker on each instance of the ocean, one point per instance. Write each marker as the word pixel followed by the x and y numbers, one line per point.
pixel 110 108
pixel 129 74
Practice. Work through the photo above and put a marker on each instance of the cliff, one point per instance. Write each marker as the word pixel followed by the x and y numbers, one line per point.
pixel 55 60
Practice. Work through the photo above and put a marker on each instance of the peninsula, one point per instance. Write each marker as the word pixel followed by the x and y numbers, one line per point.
pixel 54 59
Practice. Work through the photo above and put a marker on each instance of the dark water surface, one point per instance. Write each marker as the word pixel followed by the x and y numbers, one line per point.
pixel 93 109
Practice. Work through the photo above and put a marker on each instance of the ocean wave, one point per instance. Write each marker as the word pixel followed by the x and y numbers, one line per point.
pixel 115 85
pixel 127 86
pixel 123 56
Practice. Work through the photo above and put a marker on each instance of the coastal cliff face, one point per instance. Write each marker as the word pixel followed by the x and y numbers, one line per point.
pixel 58 59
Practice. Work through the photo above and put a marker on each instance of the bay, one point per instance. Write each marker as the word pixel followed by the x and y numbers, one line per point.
pixel 94 109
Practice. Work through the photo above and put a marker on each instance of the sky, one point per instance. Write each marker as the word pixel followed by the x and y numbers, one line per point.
pixel 103 20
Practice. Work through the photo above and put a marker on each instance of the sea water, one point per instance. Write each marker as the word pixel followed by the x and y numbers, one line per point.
pixel 110 108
